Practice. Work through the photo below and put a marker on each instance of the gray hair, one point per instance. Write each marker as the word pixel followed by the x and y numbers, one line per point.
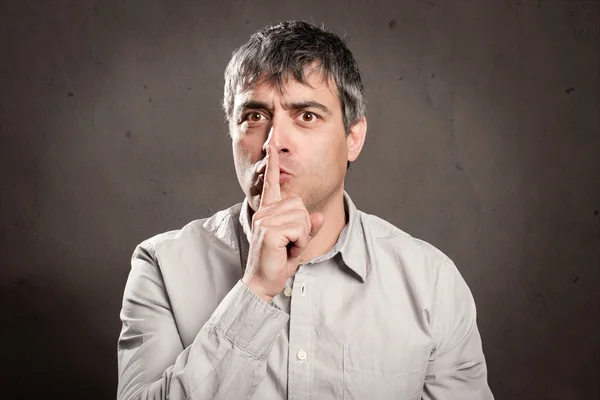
pixel 278 52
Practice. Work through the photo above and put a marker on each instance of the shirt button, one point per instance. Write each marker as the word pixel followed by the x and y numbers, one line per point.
pixel 301 355
pixel 287 291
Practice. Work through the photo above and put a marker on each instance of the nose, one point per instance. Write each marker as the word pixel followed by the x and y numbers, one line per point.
pixel 278 137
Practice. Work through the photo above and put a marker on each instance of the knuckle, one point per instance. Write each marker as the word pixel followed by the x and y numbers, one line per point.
pixel 299 215
pixel 305 232
pixel 306 215
pixel 299 229
pixel 298 202
pixel 303 217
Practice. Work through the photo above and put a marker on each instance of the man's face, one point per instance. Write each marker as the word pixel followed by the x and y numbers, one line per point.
pixel 304 124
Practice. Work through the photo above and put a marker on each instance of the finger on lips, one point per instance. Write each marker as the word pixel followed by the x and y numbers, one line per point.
pixel 271 193
pixel 289 218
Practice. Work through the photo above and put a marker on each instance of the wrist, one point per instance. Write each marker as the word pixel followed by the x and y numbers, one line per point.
pixel 257 289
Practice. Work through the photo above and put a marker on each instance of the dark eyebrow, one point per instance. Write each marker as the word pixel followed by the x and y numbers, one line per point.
pixel 307 104
pixel 259 105
pixel 253 105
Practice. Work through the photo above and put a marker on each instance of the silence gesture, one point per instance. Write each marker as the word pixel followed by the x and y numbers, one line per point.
pixel 281 231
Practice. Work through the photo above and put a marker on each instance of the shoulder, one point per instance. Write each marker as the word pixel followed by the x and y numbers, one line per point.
pixel 394 252
pixel 219 226
pixel 395 241
pixel 421 265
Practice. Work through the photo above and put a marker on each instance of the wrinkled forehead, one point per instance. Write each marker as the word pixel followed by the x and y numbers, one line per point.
pixel 310 76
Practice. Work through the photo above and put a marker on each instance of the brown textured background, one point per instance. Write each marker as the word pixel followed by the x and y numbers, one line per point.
pixel 483 140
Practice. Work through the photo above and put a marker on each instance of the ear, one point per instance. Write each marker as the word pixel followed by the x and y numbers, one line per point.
pixel 356 139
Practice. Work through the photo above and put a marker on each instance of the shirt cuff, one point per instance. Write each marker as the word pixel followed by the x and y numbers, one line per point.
pixel 248 321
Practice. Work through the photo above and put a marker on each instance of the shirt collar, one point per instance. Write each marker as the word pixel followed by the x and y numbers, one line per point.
pixel 351 244
pixel 354 248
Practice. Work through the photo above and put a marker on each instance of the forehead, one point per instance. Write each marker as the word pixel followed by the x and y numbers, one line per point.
pixel 315 85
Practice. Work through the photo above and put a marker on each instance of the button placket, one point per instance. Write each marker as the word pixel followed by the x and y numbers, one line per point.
pixel 300 371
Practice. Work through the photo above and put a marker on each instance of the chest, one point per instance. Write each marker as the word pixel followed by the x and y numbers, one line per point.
pixel 349 339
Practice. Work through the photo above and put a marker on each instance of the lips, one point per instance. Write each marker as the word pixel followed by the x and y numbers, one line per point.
pixel 283 177
pixel 263 168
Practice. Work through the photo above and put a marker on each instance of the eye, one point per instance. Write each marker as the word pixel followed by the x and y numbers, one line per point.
pixel 253 117
pixel 308 117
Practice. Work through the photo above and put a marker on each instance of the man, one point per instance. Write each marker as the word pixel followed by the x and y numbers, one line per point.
pixel 295 294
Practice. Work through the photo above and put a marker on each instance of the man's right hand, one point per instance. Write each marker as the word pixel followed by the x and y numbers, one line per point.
pixel 281 230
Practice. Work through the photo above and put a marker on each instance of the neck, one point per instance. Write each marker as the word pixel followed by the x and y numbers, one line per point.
pixel 335 220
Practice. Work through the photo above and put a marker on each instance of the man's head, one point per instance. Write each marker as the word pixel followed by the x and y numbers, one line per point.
pixel 296 87
pixel 283 51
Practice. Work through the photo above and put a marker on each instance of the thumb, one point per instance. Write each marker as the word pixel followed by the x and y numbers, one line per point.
pixel 317 220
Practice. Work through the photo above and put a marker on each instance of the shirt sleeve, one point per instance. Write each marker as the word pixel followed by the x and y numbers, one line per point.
pixel 457 367
pixel 227 359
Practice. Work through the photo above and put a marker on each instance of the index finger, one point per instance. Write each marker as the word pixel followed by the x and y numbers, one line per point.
pixel 271 192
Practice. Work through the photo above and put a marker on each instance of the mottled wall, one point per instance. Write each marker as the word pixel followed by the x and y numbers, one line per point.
pixel 483 140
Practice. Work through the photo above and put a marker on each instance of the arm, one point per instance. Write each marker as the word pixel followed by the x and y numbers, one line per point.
pixel 227 360
pixel 457 368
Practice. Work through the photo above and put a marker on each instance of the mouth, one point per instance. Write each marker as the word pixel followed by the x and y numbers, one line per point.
pixel 284 174
pixel 283 177
pixel 263 169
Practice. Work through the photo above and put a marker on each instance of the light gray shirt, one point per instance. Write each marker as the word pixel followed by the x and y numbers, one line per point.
pixel 381 316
